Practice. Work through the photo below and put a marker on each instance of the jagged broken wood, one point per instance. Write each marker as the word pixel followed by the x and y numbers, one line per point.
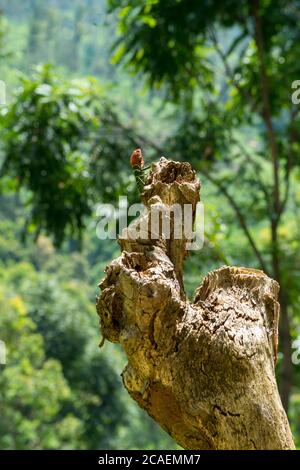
pixel 203 370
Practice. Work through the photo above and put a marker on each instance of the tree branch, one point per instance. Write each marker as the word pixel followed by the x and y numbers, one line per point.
pixel 229 73
pixel 266 108
pixel 256 168
pixel 241 218
pixel 289 164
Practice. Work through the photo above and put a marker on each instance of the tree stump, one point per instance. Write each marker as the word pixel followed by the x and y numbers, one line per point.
pixel 205 371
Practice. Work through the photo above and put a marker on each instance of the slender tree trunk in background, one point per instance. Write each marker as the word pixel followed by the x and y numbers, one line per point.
pixel 285 341
pixel 204 370
pixel 286 376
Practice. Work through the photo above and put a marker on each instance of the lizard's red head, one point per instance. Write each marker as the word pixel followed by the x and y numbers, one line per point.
pixel 137 158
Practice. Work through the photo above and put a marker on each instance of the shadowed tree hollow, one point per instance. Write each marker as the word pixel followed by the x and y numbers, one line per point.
pixel 205 371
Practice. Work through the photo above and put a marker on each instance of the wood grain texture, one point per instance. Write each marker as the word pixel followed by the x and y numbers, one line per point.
pixel 203 370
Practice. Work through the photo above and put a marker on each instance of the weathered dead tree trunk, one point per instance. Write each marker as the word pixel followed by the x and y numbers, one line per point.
pixel 204 370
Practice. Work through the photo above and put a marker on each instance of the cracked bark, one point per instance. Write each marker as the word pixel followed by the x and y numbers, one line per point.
pixel 203 370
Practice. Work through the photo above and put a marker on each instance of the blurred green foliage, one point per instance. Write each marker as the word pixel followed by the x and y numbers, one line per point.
pixel 44 136
pixel 58 391
pixel 192 93
pixel 33 388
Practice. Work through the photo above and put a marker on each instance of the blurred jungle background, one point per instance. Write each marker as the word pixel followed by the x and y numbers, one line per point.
pixel 86 82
